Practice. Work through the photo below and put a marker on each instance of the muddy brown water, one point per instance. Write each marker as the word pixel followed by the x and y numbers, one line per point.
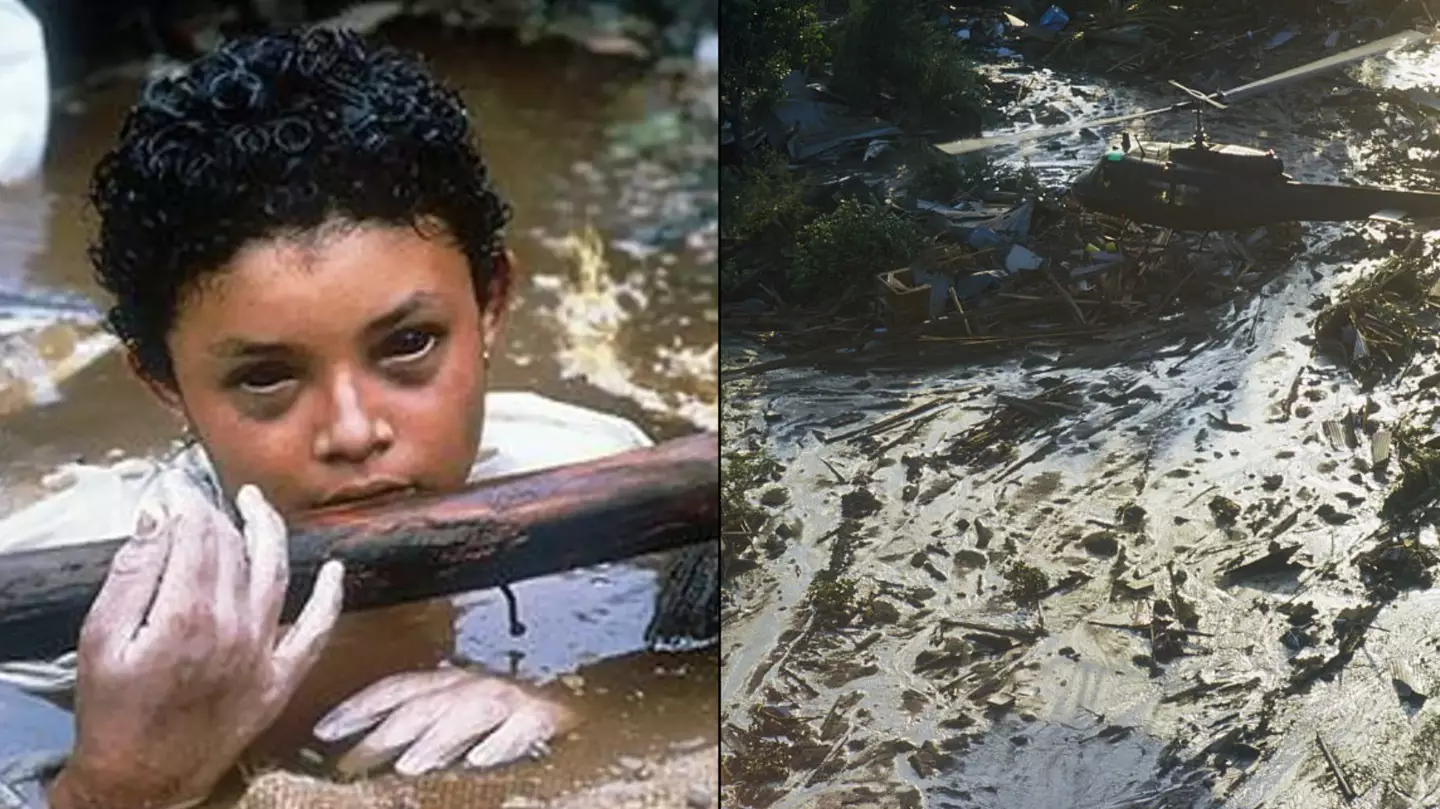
pixel 546 114
pixel 956 694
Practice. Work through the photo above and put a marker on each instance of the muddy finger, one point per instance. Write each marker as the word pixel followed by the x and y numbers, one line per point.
pixel 477 708
pixel 191 574
pixel 232 614
pixel 526 733
pixel 119 610
pixel 306 638
pixel 408 723
pixel 366 708
pixel 267 543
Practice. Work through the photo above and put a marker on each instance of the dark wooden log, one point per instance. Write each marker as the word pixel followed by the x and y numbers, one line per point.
pixel 648 500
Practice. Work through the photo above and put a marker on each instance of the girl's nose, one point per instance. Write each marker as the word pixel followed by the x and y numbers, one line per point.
pixel 354 431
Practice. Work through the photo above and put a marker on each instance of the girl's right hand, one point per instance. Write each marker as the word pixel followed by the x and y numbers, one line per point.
pixel 181 658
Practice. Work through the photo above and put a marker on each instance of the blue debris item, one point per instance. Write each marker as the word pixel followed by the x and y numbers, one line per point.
pixel 35 739
pixel 1281 38
pixel 1054 19
pixel 1016 221
pixel 982 238
pixel 1004 229
pixel 1020 259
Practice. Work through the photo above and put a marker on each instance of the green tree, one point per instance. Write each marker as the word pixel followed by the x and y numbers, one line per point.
pixel 761 41
pixel 899 46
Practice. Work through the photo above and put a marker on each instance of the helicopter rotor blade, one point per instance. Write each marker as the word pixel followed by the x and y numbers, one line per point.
pixel 1300 73
pixel 978 144
pixel 1321 65
pixel 1197 95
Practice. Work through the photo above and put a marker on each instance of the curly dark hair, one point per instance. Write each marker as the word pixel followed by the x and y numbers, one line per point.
pixel 276 136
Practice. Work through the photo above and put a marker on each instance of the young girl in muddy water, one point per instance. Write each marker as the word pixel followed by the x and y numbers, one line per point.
pixel 305 254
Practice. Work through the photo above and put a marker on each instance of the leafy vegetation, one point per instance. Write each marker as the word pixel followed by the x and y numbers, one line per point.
pixel 898 47
pixel 894 59
pixel 741 473
pixel 761 42
pixel 762 209
pixel 851 244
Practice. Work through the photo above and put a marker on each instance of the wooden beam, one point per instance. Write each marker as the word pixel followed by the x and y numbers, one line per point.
pixel 502 531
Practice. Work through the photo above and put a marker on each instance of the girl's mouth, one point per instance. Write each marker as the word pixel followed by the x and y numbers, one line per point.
pixel 366 492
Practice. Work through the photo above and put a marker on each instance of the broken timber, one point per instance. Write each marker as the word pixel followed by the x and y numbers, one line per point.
pixel 500 531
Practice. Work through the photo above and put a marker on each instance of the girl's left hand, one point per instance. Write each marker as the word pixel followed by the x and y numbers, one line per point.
pixel 436 717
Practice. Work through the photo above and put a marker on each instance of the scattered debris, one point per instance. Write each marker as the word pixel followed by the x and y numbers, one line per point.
pixel 1224 510
pixel 1374 326
pixel 1341 782
pixel 1156 493
pixel 1027 583
pixel 858 504
pixel 1407 685
pixel 1395 564
pixel 1277 560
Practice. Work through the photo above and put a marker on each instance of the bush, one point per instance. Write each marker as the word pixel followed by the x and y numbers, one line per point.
pixel 938 176
pixel 761 41
pixel 898 46
pixel 764 204
pixel 850 244
pixel 762 208
pixel 979 174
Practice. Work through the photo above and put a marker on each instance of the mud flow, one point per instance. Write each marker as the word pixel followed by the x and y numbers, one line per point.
pixel 1187 561
pixel 615 209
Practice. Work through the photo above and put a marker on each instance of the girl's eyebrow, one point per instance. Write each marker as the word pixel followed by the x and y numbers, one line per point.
pixel 235 348
pixel 232 348
pixel 416 302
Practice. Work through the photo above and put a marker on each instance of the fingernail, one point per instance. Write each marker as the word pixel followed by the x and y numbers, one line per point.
pixel 245 497
pixel 334 569
pixel 148 519
pixel 410 767
pixel 146 526
pixel 328 729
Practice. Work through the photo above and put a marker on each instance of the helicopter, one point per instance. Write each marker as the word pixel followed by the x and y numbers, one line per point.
pixel 1204 186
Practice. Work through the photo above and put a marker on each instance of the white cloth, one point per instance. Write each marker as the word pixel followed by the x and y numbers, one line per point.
pixel 25 86
pixel 523 432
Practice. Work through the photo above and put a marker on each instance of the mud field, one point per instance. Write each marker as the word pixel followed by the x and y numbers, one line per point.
pixel 1185 563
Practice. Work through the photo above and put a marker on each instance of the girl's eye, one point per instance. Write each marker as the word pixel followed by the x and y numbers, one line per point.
pixel 263 379
pixel 408 345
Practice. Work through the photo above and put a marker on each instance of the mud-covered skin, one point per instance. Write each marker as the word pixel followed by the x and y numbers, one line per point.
pixel 941 690
pixel 182 659
pixel 487 721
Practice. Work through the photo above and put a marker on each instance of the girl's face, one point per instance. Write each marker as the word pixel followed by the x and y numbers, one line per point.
pixel 343 365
